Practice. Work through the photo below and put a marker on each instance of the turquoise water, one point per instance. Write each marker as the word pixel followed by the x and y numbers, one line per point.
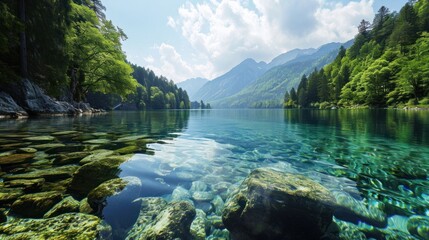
pixel 377 159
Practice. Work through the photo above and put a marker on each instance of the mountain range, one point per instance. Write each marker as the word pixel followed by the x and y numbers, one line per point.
pixel 258 84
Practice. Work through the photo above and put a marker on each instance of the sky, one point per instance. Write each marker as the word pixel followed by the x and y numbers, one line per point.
pixel 182 39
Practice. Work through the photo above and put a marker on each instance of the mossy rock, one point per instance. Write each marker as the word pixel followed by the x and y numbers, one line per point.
pixel 16 158
pixel 96 155
pixel 26 150
pixel 84 206
pixel 29 185
pixel 35 205
pixel 9 195
pixel 173 222
pixel 40 138
pixel 67 205
pixel 418 226
pixel 90 175
pixel 63 227
pixel 275 205
pixel 51 174
pixel 69 158
pixel 198 226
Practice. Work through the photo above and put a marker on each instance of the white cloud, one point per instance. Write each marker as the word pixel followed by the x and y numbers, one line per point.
pixel 170 64
pixel 171 22
pixel 222 33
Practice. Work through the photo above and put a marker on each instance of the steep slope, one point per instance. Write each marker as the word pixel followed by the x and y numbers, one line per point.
pixel 231 82
pixel 192 86
pixel 289 56
pixel 268 90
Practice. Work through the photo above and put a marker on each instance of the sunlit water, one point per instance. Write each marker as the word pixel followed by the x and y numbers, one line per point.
pixel 378 157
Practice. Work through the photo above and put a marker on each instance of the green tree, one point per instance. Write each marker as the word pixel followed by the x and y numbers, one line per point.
pixel 97 61
pixel 157 99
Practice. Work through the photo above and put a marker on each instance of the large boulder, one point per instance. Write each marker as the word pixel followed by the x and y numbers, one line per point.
pixel 127 188
pixel 33 99
pixel 9 108
pixel 92 174
pixel 35 205
pixel 67 205
pixel 65 226
pixel 172 222
pixel 275 205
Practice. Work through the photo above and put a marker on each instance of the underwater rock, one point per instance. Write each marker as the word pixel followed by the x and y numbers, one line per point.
pixel 40 138
pixel 51 174
pixel 215 221
pixel 198 226
pixel 218 205
pixel 35 205
pixel 351 210
pixel 198 186
pixel 64 133
pixel 128 149
pixel 29 185
pixel 16 158
pixel 26 150
pixel 94 173
pixel 150 208
pixel 127 187
pixel 69 158
pixel 84 206
pixel 96 155
pixel 67 205
pixel 9 195
pixel 275 205
pixel 202 196
pixel 179 194
pixel 130 138
pixel 49 146
pixel 218 234
pixel 65 226
pixel 349 231
pixel 98 141
pixel 159 220
pixel 418 226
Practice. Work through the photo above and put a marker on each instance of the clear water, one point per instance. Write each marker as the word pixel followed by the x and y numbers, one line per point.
pixel 378 157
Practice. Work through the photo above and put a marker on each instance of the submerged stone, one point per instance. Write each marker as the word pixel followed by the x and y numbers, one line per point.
pixel 16 158
pixel 51 174
pixel 128 188
pixel 40 138
pixel 198 226
pixel 84 206
pixel 9 195
pixel 35 205
pixel 29 185
pixel 26 150
pixel 352 210
pixel 275 205
pixel 172 222
pixel 150 208
pixel 203 196
pixel 48 146
pixel 179 193
pixel 131 138
pixel 62 133
pixel 418 226
pixel 94 173
pixel 96 155
pixel 67 205
pixel 69 158
pixel 63 227
pixel 98 141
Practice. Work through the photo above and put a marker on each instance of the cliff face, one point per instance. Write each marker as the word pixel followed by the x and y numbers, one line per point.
pixel 25 99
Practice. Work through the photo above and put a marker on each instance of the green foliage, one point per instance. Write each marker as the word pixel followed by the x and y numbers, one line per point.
pixel 9 43
pixel 96 55
pixel 387 65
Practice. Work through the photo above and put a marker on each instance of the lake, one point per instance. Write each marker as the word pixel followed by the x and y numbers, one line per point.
pixel 373 160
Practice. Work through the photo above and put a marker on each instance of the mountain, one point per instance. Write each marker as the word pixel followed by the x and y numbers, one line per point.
pixel 289 56
pixel 268 90
pixel 231 82
pixel 192 86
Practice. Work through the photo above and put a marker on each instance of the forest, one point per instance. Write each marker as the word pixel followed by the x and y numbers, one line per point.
pixel 388 65
pixel 71 50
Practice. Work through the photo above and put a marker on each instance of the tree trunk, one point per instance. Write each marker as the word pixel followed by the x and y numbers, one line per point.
pixel 23 42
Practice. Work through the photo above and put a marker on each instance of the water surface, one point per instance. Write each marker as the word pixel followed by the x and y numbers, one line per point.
pixel 380 158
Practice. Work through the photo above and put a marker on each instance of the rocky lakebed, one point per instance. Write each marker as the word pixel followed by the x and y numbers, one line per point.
pixel 60 186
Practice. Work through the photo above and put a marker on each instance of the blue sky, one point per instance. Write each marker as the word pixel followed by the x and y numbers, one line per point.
pixel 205 38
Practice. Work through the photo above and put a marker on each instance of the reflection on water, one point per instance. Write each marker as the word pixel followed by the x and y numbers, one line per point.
pixel 374 160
